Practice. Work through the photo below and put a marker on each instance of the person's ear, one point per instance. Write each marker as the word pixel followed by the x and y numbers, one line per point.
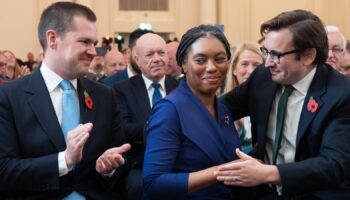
pixel 184 67
pixel 136 58
pixel 51 37
pixel 308 56
pixel 234 72
pixel 128 51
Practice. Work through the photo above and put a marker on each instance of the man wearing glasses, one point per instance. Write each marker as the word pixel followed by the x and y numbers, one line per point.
pixel 345 64
pixel 336 45
pixel 300 113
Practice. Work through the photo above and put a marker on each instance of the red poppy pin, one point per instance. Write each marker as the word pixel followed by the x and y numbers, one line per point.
pixel 88 100
pixel 312 105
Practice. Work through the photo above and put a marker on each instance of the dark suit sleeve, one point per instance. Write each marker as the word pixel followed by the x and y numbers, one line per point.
pixel 118 131
pixel 163 145
pixel 132 129
pixel 118 139
pixel 16 173
pixel 331 164
pixel 237 100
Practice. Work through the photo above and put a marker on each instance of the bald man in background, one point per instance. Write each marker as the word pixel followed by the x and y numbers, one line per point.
pixel 135 98
pixel 132 68
pixel 114 62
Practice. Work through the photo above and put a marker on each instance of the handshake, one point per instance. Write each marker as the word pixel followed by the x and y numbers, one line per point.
pixel 247 171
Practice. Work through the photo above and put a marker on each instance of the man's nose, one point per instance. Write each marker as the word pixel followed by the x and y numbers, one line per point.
pixel 330 53
pixel 91 49
pixel 269 61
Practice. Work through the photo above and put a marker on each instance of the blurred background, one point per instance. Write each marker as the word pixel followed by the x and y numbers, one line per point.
pixel 239 19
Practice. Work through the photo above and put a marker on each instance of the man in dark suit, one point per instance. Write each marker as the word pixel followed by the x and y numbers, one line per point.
pixel 131 69
pixel 135 97
pixel 306 155
pixel 43 154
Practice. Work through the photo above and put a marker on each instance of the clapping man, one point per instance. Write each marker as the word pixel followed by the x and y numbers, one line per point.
pixel 60 134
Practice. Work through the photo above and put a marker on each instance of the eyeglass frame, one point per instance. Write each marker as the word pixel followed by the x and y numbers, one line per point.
pixel 3 64
pixel 337 51
pixel 275 55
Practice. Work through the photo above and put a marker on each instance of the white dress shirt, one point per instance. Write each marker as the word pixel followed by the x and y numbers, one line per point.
pixel 295 103
pixel 129 71
pixel 52 81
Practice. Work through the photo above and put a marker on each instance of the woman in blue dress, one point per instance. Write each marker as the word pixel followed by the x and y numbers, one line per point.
pixel 190 132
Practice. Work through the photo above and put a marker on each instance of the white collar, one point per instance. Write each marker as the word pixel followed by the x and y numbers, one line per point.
pixel 304 84
pixel 52 80
pixel 148 82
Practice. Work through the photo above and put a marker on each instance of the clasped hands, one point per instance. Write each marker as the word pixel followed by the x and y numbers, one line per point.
pixel 110 160
pixel 247 171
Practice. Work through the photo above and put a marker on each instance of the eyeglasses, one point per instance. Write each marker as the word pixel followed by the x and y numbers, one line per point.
pixel 2 64
pixel 336 51
pixel 275 56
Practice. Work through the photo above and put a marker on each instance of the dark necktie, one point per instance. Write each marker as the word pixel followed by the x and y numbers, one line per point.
pixel 281 110
pixel 156 93
pixel 70 111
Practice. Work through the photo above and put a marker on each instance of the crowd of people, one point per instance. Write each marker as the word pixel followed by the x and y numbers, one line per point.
pixel 189 119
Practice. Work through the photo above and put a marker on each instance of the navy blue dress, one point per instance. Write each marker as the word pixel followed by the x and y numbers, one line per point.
pixel 183 137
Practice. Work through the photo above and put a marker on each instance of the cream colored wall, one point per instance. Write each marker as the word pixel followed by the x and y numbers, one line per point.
pixel 182 14
pixel 16 26
pixel 242 18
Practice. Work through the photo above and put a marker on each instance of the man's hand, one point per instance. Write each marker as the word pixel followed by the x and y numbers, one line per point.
pixel 247 172
pixel 76 140
pixel 111 159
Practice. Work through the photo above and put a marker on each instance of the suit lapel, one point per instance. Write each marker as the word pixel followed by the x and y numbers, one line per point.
pixel 170 85
pixel 140 93
pixel 210 138
pixel 267 95
pixel 316 90
pixel 41 104
pixel 139 90
pixel 86 114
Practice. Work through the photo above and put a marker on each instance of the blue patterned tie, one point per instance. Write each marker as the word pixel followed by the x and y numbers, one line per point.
pixel 156 93
pixel 70 120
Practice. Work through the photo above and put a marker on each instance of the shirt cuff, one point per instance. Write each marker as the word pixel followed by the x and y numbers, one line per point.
pixel 62 165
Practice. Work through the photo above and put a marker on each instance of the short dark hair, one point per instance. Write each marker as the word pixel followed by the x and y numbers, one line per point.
pixel 136 34
pixel 307 30
pixel 193 35
pixel 59 16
